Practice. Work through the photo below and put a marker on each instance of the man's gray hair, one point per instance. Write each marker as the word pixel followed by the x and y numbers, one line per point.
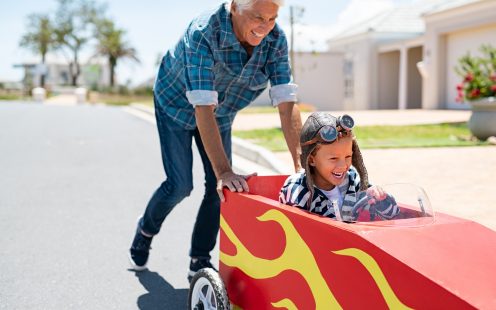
pixel 246 4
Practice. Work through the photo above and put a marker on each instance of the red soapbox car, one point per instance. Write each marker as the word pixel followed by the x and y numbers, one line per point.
pixel 274 256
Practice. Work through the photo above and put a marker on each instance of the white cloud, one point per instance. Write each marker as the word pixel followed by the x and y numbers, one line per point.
pixel 359 10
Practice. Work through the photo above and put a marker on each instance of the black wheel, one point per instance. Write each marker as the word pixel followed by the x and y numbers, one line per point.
pixel 207 291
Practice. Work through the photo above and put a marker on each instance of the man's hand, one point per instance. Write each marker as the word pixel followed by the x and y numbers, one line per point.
pixel 234 182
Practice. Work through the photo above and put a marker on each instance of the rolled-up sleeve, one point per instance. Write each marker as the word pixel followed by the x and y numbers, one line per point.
pixel 199 70
pixel 202 97
pixel 283 93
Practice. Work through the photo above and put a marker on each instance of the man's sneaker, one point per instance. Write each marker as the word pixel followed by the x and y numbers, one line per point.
pixel 140 249
pixel 197 264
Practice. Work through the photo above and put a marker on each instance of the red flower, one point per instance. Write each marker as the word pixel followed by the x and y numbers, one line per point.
pixel 474 93
pixel 478 75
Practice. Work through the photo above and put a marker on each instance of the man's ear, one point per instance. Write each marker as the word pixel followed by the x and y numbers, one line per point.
pixel 234 8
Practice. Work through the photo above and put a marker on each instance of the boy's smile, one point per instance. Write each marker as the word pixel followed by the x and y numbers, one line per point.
pixel 330 163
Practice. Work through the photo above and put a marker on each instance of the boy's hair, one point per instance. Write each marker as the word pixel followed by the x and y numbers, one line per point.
pixel 312 125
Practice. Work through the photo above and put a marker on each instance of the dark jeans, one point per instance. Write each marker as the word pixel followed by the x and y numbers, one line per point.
pixel 177 158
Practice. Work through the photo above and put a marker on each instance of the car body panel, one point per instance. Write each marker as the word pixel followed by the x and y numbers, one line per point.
pixel 276 256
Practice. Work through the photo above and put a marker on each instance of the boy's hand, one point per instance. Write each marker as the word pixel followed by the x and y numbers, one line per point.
pixel 377 193
pixel 234 182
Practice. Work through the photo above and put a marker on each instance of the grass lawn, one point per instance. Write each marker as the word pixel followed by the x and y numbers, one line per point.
pixel 380 136
pixel 114 99
pixel 269 109
pixel 10 97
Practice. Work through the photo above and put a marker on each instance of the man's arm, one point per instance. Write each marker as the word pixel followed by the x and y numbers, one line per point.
pixel 291 127
pixel 210 135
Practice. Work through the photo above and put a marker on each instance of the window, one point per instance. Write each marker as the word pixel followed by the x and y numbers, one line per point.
pixel 348 78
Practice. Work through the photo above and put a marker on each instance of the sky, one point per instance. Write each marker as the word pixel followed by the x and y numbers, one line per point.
pixel 154 26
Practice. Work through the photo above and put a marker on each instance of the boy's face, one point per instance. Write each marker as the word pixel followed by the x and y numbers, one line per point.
pixel 253 24
pixel 331 162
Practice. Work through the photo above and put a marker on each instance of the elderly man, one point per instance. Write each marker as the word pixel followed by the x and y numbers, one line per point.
pixel 221 64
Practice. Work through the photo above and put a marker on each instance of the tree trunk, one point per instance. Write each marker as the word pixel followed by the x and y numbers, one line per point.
pixel 111 76
pixel 77 71
pixel 112 64
pixel 43 74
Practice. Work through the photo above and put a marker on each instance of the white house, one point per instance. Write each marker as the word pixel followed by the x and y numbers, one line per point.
pixel 94 72
pixel 452 31
pixel 382 56
pixel 319 76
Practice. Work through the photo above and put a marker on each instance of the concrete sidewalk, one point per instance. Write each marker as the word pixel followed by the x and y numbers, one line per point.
pixel 248 121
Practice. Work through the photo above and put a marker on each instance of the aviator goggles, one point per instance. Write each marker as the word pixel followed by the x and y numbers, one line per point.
pixel 329 133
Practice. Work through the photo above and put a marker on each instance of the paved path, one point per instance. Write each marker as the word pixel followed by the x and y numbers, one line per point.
pixel 459 181
pixel 73 180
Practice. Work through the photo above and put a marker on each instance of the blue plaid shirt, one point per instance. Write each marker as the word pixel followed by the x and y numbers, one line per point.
pixel 209 66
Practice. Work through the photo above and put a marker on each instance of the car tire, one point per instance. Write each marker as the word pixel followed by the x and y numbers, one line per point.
pixel 207 291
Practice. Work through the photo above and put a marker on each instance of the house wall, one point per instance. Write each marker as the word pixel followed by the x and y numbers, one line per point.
pixel 449 33
pixel 319 77
pixel 374 73
pixel 359 52
pixel 320 80
pixel 388 80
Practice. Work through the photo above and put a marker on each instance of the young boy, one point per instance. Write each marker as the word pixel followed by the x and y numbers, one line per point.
pixel 334 173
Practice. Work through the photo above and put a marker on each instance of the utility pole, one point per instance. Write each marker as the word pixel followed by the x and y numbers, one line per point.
pixel 295 12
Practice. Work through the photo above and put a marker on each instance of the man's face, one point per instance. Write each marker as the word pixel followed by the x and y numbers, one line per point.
pixel 253 24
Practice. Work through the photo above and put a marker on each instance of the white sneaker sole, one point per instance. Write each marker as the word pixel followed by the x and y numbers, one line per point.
pixel 134 266
pixel 191 273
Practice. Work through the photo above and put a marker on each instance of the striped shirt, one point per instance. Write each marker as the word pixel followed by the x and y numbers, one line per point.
pixel 209 66
pixel 295 193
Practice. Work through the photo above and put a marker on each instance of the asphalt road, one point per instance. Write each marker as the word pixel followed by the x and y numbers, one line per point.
pixel 73 180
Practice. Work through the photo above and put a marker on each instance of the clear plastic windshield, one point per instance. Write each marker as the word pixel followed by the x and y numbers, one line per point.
pixel 399 204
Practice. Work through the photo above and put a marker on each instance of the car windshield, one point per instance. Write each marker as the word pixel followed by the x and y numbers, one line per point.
pixel 399 204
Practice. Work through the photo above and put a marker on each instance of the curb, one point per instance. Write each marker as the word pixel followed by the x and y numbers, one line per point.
pixel 258 155
pixel 242 148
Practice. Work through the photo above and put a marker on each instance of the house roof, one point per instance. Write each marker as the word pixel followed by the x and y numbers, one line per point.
pixel 403 19
pixel 446 5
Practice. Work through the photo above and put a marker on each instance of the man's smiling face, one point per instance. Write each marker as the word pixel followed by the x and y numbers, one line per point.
pixel 253 24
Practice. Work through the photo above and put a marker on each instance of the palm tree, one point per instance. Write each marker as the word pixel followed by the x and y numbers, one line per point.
pixel 39 38
pixel 111 44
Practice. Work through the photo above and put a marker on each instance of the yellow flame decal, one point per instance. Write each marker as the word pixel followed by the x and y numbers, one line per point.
pixel 375 271
pixel 235 307
pixel 296 256
pixel 285 303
